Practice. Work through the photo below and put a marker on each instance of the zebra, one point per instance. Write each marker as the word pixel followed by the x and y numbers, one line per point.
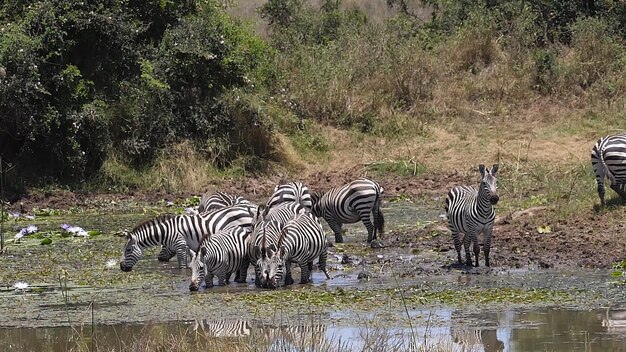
pixel 608 158
pixel 290 192
pixel 208 202
pixel 218 200
pixel 470 211
pixel 301 241
pixel 178 233
pixel 221 254
pixel 349 204
pixel 268 224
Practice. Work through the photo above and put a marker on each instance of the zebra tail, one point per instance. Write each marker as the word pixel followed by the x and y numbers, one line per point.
pixel 379 218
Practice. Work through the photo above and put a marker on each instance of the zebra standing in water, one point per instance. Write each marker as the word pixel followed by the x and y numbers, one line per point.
pixel 302 240
pixel 470 211
pixel 290 192
pixel 181 232
pixel 268 224
pixel 208 202
pixel 608 158
pixel 221 254
pixel 349 204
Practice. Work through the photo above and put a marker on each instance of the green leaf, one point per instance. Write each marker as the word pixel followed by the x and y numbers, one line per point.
pixel 617 273
pixel 94 232
pixel 544 229
pixel 46 241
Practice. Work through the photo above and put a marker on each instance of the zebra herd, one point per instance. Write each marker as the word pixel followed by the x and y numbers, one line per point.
pixel 229 233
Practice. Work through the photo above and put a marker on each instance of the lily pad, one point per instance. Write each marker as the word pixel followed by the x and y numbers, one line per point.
pixel 46 241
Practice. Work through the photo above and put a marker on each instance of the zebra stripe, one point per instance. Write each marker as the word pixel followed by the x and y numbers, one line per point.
pixel 268 225
pixel 218 200
pixel 301 241
pixel 608 158
pixel 181 232
pixel 221 254
pixel 470 212
pixel 290 192
pixel 349 204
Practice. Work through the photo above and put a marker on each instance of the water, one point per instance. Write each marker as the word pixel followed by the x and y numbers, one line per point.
pixel 537 330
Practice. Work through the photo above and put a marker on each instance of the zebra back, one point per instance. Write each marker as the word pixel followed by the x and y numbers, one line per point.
pixel 218 200
pixel 290 192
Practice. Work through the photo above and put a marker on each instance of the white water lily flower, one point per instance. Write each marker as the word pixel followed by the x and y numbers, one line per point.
pixel 111 263
pixel 32 229
pixel 74 229
pixel 20 285
pixel 82 233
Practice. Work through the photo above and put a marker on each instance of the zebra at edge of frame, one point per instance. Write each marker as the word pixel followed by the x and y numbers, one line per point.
pixel 608 158
pixel 350 203
pixel 470 212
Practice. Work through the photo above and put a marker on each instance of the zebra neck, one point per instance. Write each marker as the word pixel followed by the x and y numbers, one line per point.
pixel 483 203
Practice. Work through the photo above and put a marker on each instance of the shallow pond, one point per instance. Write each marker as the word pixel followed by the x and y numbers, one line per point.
pixel 73 295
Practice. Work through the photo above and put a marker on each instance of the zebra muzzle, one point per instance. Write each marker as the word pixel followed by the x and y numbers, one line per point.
pixel 125 268
pixel 193 286
pixel 494 199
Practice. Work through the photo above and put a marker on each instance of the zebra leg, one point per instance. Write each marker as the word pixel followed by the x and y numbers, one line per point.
pixel 619 190
pixel 305 272
pixel 476 248
pixel 165 254
pixel 181 255
pixel 322 262
pixel 208 280
pixel 336 227
pixel 222 279
pixel 467 241
pixel 365 218
pixel 257 276
pixel 457 244
pixel 288 278
pixel 487 246
pixel 242 273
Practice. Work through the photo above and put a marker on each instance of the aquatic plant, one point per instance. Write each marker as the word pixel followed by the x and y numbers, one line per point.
pixel 75 230
pixel 111 263
pixel 20 286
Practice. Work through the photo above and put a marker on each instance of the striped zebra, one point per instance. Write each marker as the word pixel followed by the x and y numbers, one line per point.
pixel 290 192
pixel 268 224
pixel 349 204
pixel 221 254
pixel 470 212
pixel 218 200
pixel 301 241
pixel 608 158
pixel 178 233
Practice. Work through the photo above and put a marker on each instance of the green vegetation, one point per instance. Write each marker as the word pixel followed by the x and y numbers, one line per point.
pixel 169 95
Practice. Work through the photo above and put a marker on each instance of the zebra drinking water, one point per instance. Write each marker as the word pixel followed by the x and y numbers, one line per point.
pixel 268 224
pixel 349 204
pixel 470 212
pixel 221 254
pixel 290 192
pixel 608 158
pixel 301 241
pixel 180 232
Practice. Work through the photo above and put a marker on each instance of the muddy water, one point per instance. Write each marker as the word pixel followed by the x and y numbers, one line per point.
pixel 535 330
pixel 154 298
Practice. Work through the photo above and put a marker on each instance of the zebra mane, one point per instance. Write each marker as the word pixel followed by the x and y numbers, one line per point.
pixel 152 222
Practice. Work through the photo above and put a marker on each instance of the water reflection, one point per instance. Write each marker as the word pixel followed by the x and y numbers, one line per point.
pixel 550 329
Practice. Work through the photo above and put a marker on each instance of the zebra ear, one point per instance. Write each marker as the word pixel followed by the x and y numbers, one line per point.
pixel 481 168
pixel 494 169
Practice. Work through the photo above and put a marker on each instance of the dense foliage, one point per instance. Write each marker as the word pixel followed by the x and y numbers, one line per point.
pixel 87 82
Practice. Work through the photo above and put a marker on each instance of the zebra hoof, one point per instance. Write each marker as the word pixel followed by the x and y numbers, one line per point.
pixel 375 244
pixel 338 239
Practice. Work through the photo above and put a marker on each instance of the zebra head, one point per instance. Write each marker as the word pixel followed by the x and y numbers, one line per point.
pixel 197 269
pixel 132 253
pixel 270 266
pixel 488 182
